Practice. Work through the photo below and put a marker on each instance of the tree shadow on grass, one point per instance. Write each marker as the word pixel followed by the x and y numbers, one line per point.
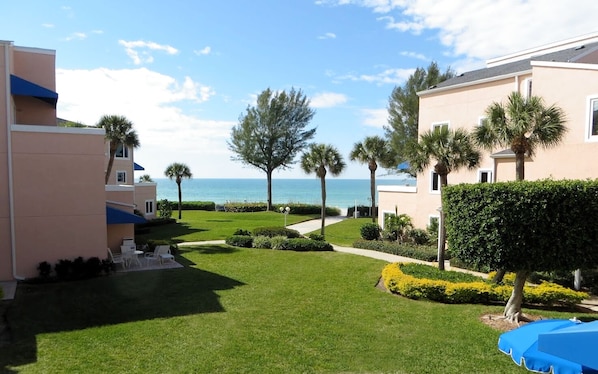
pixel 167 232
pixel 209 249
pixel 118 298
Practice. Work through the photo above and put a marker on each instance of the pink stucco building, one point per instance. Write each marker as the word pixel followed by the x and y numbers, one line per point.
pixel 53 201
pixel 563 73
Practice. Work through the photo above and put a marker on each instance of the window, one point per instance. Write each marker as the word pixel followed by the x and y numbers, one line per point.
pixel 122 151
pixel 482 121
pixel 149 206
pixel 527 88
pixel 434 182
pixel 592 118
pixel 436 125
pixel 121 177
pixel 485 176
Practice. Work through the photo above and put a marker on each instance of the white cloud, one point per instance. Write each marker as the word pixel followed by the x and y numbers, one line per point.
pixel 204 51
pixel 327 100
pixel 139 50
pixel 388 76
pixel 76 36
pixel 328 35
pixel 156 104
pixel 484 29
pixel 48 25
pixel 415 55
pixel 377 118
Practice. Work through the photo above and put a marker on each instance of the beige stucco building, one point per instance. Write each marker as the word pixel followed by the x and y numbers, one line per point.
pixel 564 74
pixel 54 203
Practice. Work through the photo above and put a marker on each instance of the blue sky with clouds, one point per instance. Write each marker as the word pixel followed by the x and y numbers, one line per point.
pixel 184 71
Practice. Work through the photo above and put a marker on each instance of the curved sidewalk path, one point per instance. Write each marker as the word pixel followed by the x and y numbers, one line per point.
pixel 313 225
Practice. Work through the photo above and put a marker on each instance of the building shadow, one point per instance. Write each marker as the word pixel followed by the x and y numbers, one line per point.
pixel 114 299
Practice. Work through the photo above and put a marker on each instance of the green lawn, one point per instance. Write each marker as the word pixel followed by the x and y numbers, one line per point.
pixel 237 310
pixel 346 232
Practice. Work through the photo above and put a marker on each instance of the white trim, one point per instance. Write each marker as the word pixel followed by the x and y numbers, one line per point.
pixel 403 189
pixel 153 204
pixel 120 203
pixel 433 191
pixel 124 173
pixel 565 65
pixel 58 130
pixel 41 51
pixel 486 170
pixel 588 137
pixel 384 213
pixel 430 216
pixel 527 84
pixel 473 83
pixel 433 125
pixel 480 119
pixel 119 187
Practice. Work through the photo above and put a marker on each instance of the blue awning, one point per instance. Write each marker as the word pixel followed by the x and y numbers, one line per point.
pixel 136 166
pixel 22 87
pixel 116 216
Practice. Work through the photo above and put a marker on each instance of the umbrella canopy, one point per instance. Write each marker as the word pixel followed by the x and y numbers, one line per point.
pixel 522 345
pixel 576 343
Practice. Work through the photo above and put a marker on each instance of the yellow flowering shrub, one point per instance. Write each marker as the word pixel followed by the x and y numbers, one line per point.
pixel 472 292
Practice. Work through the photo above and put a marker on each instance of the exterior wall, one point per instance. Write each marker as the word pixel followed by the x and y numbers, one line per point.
pixel 145 192
pixel 59 195
pixel 566 85
pixel 119 197
pixel 120 164
pixel 5 117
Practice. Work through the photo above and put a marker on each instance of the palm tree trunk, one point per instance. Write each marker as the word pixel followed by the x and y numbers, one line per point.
pixel 441 226
pixel 513 309
pixel 520 166
pixel 180 198
pixel 373 193
pixel 269 178
pixel 323 211
pixel 112 153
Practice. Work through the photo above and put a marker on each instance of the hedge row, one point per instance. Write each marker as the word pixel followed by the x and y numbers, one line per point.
pixel 240 207
pixel 419 252
pixel 282 243
pixel 396 281
pixel 191 205
pixel 276 231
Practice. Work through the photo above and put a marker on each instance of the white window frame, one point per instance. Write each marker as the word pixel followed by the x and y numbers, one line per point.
pixel 149 207
pixel 125 155
pixel 432 190
pixel 481 120
pixel 490 175
pixel 527 87
pixel 434 125
pixel 124 176
pixel 432 216
pixel 387 213
pixel 590 117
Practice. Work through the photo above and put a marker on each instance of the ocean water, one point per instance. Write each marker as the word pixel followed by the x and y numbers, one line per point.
pixel 341 193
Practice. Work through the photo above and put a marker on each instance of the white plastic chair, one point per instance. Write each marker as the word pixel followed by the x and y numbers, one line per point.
pixel 129 255
pixel 161 253
pixel 116 259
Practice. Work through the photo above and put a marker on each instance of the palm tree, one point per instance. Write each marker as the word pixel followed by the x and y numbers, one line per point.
pixel 178 171
pixel 371 150
pixel 119 132
pixel 449 150
pixel 522 124
pixel 320 159
pixel 145 178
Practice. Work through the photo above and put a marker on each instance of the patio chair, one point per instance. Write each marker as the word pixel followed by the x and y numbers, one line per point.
pixel 161 253
pixel 129 255
pixel 116 258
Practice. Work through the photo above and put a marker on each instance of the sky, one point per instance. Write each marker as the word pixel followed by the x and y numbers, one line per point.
pixel 184 71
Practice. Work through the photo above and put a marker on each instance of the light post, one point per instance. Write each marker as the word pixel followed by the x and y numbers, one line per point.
pixel 285 211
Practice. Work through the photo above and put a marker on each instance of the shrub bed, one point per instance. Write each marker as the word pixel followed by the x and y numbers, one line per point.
pixel 477 290
pixel 242 207
pixel 419 252
pixel 276 231
pixel 240 241
pixel 304 245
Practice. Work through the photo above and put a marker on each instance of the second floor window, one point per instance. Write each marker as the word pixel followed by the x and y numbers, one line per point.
pixel 121 177
pixel 485 176
pixel 593 119
pixel 122 151
pixel 435 182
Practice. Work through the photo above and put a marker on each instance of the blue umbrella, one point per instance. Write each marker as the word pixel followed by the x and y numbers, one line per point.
pixel 576 343
pixel 522 345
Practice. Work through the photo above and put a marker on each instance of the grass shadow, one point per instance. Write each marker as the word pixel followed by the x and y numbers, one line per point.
pixel 210 249
pixel 168 232
pixel 123 297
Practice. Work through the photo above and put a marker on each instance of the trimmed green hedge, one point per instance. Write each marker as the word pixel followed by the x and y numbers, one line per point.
pixel 278 242
pixel 304 245
pixel 272 231
pixel 476 291
pixel 241 207
pixel 240 241
pixel 192 205
pixel 419 252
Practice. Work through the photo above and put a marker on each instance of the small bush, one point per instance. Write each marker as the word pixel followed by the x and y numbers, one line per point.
pixel 277 242
pixel 276 231
pixel 314 236
pixel 420 252
pixel 304 245
pixel 44 269
pixel 419 237
pixel 370 231
pixel 242 232
pixel 262 242
pixel 93 267
pixel 240 241
pixel 63 269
